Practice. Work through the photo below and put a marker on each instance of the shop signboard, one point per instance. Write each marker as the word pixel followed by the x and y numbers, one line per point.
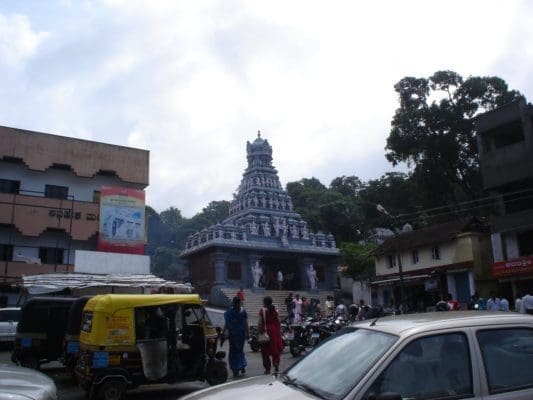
pixel 122 215
pixel 517 266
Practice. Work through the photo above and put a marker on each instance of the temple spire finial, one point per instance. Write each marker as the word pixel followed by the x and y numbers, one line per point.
pixel 259 134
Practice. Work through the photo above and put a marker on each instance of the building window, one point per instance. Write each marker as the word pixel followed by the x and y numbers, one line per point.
pixel 6 252
pixel 56 192
pixel 525 243
pixel 392 261
pixel 51 255
pixel 96 196
pixel 414 256
pixel 435 253
pixel 9 186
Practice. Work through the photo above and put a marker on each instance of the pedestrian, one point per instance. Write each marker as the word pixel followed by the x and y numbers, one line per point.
pixel 518 304
pixel 240 295
pixel 305 306
pixel 280 280
pixel 236 326
pixel 330 306
pixel 341 310
pixel 493 303
pixel 297 308
pixel 269 323
pixel 504 304
pixel 361 314
pixel 289 306
pixel 527 304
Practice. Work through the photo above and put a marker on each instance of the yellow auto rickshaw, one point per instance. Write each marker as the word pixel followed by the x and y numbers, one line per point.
pixel 129 340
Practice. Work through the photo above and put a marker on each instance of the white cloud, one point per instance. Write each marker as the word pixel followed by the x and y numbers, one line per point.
pixel 193 81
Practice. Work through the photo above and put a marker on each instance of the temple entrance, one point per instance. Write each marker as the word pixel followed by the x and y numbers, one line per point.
pixel 289 269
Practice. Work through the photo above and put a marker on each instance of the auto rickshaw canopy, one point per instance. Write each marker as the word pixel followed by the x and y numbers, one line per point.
pixel 109 319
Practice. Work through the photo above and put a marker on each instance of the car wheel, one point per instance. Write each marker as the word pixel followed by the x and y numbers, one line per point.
pixel 216 372
pixel 111 389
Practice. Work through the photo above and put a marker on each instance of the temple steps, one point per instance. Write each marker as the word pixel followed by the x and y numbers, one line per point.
pixel 253 301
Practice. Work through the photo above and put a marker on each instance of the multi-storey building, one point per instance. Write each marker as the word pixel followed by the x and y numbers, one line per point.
pixel 505 144
pixel 49 197
pixel 453 257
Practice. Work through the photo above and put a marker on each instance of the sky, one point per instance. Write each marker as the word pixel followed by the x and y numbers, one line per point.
pixel 193 81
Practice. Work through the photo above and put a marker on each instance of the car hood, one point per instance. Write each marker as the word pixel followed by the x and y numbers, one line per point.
pixel 17 382
pixel 257 388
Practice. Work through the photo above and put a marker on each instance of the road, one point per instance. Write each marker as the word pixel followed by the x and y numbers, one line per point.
pixel 69 390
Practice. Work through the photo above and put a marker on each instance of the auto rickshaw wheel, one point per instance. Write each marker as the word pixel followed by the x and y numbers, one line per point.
pixel 111 389
pixel 30 361
pixel 216 372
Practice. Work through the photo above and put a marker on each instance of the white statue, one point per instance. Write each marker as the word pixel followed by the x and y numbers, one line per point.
pixel 294 231
pixel 311 275
pixel 257 271
pixel 266 228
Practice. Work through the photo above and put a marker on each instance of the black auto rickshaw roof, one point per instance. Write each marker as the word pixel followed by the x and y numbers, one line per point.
pixel 74 315
pixel 39 311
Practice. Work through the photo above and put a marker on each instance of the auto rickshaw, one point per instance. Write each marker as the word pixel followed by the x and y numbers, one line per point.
pixel 41 330
pixel 71 344
pixel 131 340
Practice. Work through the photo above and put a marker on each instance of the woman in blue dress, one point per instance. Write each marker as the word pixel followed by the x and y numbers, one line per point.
pixel 236 326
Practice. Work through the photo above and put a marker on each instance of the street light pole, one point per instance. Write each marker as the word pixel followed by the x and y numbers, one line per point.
pixel 382 210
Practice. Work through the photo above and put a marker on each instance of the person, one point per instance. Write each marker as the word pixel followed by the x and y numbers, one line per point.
pixel 240 295
pixel 504 304
pixel 297 308
pixel 236 326
pixel 280 280
pixel 518 304
pixel 289 305
pixel 305 306
pixel 493 303
pixel 269 323
pixel 330 306
pixel 361 314
pixel 453 303
pixel 527 304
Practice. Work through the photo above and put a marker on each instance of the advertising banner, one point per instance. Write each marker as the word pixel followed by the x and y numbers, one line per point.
pixel 518 266
pixel 122 227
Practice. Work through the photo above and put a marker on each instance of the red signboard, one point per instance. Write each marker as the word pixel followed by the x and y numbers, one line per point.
pixel 518 266
pixel 121 220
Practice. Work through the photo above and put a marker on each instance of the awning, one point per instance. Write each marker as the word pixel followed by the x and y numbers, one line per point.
pixel 50 283
pixel 405 278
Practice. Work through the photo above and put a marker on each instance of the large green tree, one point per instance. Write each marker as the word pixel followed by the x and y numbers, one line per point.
pixel 433 131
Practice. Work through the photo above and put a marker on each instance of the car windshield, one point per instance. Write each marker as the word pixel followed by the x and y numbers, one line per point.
pixel 334 368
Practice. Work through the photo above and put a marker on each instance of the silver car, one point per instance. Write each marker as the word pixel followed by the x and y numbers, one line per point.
pixel 9 318
pixel 18 383
pixel 446 355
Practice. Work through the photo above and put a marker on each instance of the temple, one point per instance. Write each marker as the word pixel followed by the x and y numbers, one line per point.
pixel 261 236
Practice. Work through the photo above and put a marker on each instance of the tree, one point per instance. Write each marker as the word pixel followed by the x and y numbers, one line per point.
pixel 172 218
pixel 308 196
pixel 358 259
pixel 433 129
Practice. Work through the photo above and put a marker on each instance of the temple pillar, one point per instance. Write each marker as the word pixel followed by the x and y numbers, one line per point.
pixel 221 268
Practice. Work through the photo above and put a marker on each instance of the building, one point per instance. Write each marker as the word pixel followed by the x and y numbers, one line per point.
pixel 262 236
pixel 453 257
pixel 50 198
pixel 505 145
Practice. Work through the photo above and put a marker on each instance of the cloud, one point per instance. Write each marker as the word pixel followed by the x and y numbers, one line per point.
pixel 193 81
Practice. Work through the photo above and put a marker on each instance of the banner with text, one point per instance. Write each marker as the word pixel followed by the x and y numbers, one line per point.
pixel 122 227
pixel 518 266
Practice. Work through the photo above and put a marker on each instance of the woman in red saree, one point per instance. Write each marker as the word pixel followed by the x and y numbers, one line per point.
pixel 269 322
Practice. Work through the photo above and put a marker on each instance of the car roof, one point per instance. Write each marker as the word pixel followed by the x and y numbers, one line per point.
pixel 408 324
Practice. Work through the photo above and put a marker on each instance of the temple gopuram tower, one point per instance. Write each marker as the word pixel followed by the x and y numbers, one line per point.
pixel 261 236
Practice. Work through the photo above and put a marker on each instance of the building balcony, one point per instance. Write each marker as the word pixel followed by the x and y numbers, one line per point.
pixel 12 271
pixel 32 215
pixel 505 165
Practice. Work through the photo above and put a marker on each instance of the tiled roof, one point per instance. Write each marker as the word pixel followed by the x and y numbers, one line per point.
pixel 429 236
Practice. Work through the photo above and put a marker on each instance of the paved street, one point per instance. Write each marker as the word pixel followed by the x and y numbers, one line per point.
pixel 68 389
